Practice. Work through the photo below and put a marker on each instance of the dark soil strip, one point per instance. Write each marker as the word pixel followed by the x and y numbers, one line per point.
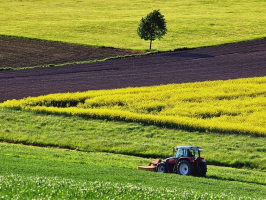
pixel 23 52
pixel 230 61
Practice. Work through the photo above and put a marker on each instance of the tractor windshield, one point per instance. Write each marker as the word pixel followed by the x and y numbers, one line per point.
pixel 184 153
pixel 187 153
pixel 180 153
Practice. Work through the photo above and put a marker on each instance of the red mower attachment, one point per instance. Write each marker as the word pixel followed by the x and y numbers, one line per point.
pixel 151 167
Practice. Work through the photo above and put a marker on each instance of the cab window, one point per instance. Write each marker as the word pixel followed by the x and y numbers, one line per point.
pixel 191 153
pixel 179 153
pixel 196 154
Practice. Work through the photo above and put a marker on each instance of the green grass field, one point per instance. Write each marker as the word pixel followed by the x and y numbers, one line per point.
pixel 85 134
pixel 104 164
pixel 190 23
pixel 36 172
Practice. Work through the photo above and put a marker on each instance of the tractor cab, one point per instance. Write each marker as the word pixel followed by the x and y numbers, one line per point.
pixel 187 151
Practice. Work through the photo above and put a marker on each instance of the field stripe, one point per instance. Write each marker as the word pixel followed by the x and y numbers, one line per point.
pixel 240 60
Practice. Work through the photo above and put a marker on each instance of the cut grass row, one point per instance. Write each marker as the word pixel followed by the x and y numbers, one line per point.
pixel 128 138
pixel 190 23
pixel 34 172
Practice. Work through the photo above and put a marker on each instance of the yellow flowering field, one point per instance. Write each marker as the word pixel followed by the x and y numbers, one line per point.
pixel 232 106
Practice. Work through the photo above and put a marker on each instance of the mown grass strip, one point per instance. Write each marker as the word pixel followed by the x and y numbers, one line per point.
pixel 32 171
pixel 101 159
pixel 87 134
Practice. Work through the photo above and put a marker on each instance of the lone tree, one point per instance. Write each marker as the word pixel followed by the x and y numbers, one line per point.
pixel 151 27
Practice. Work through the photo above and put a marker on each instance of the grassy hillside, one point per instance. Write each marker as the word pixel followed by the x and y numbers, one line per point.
pixel 54 173
pixel 85 134
pixel 191 23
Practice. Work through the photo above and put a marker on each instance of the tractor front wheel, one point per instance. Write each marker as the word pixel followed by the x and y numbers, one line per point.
pixel 184 167
pixel 161 168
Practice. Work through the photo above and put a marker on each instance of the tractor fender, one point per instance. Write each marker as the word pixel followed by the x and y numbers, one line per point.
pixel 200 160
pixel 170 160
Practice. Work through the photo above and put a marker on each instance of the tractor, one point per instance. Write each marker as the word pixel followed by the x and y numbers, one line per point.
pixel 186 160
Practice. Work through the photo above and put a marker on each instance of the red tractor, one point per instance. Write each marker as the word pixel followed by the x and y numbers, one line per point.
pixel 185 161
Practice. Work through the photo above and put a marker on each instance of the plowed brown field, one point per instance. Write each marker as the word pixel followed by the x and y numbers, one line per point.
pixel 230 61
pixel 24 52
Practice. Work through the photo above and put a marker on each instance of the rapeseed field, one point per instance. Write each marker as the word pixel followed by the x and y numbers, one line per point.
pixel 231 106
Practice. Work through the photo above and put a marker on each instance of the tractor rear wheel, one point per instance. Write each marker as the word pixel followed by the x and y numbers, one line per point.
pixel 184 167
pixel 202 169
pixel 161 168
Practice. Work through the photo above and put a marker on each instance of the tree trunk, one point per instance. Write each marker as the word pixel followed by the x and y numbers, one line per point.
pixel 150 44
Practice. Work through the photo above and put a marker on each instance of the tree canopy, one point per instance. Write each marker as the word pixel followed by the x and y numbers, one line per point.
pixel 152 27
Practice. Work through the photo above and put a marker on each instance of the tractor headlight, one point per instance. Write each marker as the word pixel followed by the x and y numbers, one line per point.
pixel 203 160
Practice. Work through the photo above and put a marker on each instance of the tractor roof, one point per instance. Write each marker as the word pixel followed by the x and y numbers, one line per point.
pixel 195 148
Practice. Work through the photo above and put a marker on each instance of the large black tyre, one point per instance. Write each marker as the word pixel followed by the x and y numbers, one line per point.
pixel 161 168
pixel 202 170
pixel 184 167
